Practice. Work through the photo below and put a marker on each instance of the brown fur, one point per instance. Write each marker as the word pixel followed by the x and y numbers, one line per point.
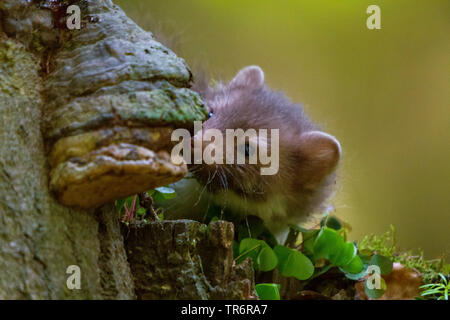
pixel 307 161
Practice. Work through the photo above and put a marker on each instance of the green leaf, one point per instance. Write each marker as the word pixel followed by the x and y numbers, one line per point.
pixel 158 197
pixel 308 245
pixel 282 253
pixel 119 204
pixel 328 244
pixel 346 254
pixel 129 201
pixel 355 266
pixel 429 292
pixel 141 211
pixel 250 248
pixel 355 276
pixel 444 279
pixel 268 291
pixel 267 259
pixel 302 267
pixel 168 193
pixel 431 285
pixel 383 262
pixel 293 263
pixel 298 239
pixel 331 222
pixel 375 293
pixel 365 257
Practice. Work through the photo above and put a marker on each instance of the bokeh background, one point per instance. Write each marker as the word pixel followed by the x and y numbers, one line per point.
pixel 385 94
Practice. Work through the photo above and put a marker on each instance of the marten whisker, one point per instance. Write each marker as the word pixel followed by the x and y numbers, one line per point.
pixel 204 188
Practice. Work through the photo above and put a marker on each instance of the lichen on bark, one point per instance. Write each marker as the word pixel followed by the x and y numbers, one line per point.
pixel 74 97
pixel 39 237
pixel 112 75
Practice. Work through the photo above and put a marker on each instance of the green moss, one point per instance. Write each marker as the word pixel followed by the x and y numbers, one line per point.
pixel 385 244
pixel 14 63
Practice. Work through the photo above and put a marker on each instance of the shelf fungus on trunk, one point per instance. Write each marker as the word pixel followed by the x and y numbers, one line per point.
pixel 113 97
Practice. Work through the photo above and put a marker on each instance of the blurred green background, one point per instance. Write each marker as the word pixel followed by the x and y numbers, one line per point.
pixel 385 94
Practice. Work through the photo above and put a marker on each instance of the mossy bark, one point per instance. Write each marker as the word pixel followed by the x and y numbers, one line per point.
pixel 39 238
pixel 57 85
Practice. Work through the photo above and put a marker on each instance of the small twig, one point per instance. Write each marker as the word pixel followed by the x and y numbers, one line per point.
pixel 246 251
pixel 146 202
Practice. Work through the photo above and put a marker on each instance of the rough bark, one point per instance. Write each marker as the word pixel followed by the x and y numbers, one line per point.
pixel 43 68
pixel 55 85
pixel 39 238
pixel 184 259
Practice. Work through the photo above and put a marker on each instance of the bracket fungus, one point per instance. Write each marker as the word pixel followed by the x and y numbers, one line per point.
pixel 113 95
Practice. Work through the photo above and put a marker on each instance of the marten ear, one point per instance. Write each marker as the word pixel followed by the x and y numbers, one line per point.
pixel 251 76
pixel 320 154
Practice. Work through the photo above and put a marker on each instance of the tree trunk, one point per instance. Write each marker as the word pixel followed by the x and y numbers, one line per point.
pixel 184 259
pixel 39 237
pixel 57 87
pixel 44 67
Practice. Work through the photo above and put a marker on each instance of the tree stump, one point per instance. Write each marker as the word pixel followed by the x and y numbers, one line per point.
pixel 184 259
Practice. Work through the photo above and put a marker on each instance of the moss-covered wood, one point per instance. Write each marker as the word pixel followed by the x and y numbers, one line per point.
pixel 39 238
pixel 111 96
pixel 67 97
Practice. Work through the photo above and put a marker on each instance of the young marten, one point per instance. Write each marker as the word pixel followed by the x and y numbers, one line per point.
pixel 308 158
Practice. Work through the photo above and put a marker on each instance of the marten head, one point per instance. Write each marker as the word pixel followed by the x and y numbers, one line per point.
pixel 307 156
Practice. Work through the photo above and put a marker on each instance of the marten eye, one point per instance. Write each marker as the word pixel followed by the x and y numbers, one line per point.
pixel 247 149
pixel 210 114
